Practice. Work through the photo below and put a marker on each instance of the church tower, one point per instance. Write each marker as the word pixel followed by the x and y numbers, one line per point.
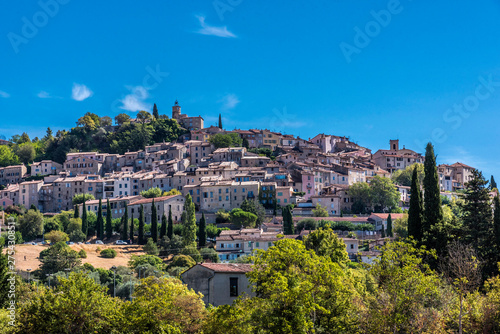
pixel 176 110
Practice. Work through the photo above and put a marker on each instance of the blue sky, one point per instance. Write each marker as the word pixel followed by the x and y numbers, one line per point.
pixel 371 70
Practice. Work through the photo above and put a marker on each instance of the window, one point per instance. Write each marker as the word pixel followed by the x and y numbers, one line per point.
pixel 233 286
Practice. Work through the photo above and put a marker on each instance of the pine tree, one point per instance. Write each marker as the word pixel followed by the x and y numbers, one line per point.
pixel 154 222
pixel 125 223
pixel 85 223
pixel 156 115
pixel 170 229
pixel 415 211
pixel 100 222
pixel 202 232
pixel 383 231
pixel 76 213
pixel 131 232
pixel 189 222
pixel 389 226
pixel 141 225
pixel 433 212
pixel 109 225
pixel 287 220
pixel 220 121
pixel 493 184
pixel 163 228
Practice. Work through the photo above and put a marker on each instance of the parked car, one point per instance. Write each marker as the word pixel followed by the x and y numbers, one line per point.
pixel 120 242
pixel 71 243
pixel 99 242
pixel 87 243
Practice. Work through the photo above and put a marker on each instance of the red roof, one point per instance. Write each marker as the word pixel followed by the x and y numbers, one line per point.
pixel 386 215
pixel 228 267
pixel 150 200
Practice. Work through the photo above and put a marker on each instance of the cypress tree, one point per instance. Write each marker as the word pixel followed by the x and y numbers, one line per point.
pixel 415 211
pixel 131 232
pixel 125 223
pixel 287 220
pixel 163 228
pixel 220 121
pixel 154 222
pixel 189 222
pixel 433 212
pixel 496 223
pixel 76 214
pixel 170 229
pixel 383 231
pixel 389 226
pixel 493 184
pixel 100 221
pixel 109 225
pixel 141 225
pixel 156 115
pixel 202 232
pixel 85 223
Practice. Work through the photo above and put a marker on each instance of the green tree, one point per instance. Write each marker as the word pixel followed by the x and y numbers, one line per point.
pixel 56 236
pixel 125 223
pixel 57 258
pixel 141 225
pixel 76 213
pixel 26 153
pixel 121 119
pixel 389 226
pixel 163 227
pixel 361 195
pixel 493 184
pixel 496 223
pixel 407 293
pixel 170 228
pixel 415 213
pixel 254 207
pixel 156 115
pixel 288 226
pixel 226 140
pixel 85 222
pixel 100 222
pixel 189 222
pixel 319 211
pixel 384 194
pixel 154 222
pixel 220 121
pixel 478 222
pixel 81 198
pixel 433 213
pixel 324 242
pixel 404 177
pixel 202 232
pixel 7 156
pixel 164 305
pixel 76 305
pixel 131 230
pixel 106 121
pixel 151 193
pixel 242 218
pixel 143 116
pixel 109 223
pixel 299 291
pixel 31 224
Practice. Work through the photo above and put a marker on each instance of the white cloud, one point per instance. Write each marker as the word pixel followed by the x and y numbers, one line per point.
pixel 4 94
pixel 213 31
pixel 81 92
pixel 229 101
pixel 44 95
pixel 136 100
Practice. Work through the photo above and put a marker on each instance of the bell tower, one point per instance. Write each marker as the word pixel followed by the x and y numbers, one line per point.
pixel 176 110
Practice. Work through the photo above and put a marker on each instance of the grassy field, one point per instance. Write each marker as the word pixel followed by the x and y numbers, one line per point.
pixel 27 255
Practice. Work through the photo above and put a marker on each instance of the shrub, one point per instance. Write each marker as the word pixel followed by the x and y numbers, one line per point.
pixel 137 261
pixel 306 224
pixel 192 252
pixel 108 253
pixel 209 254
pixel 82 254
pixel 150 247
pixel 77 236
